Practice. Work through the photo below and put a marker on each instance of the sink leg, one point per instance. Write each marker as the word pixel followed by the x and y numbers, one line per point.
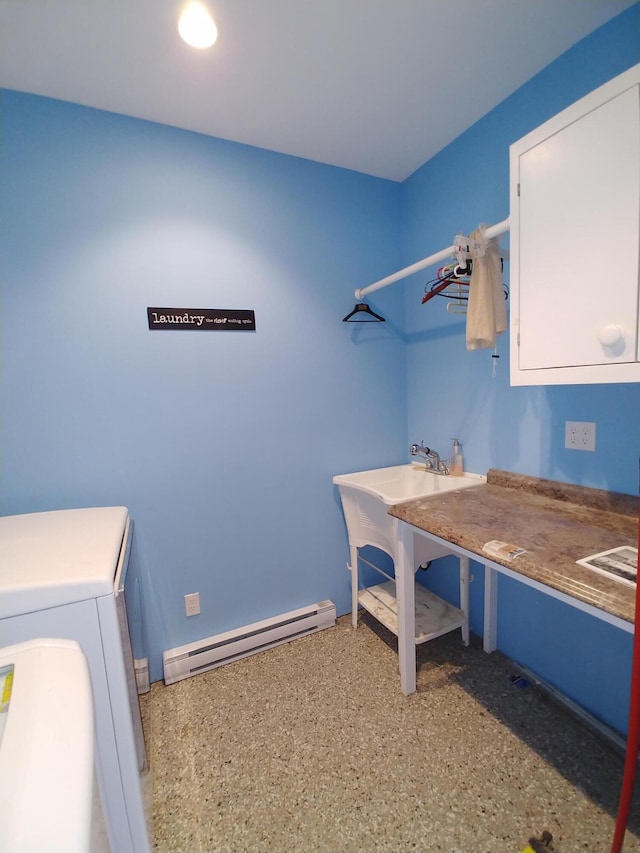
pixel 354 585
pixel 406 602
pixel 464 598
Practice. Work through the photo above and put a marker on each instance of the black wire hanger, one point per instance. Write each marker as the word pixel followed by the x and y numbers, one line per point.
pixel 360 308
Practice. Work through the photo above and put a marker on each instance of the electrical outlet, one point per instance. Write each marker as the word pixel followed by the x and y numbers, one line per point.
pixel 580 435
pixel 192 604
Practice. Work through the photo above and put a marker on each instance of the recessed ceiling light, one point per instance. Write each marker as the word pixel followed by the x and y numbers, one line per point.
pixel 197 27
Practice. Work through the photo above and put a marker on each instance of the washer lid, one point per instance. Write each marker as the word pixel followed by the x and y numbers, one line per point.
pixel 52 558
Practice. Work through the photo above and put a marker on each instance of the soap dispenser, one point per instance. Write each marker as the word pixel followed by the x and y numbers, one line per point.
pixel 456 466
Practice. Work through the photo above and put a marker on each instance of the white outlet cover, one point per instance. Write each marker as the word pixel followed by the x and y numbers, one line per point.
pixel 580 435
pixel 192 604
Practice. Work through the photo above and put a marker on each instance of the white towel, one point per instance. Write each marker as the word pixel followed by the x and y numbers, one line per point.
pixel 487 310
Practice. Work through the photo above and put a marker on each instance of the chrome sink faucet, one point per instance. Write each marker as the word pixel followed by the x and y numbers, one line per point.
pixel 432 461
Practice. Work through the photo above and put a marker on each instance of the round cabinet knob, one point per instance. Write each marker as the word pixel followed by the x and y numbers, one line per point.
pixel 611 335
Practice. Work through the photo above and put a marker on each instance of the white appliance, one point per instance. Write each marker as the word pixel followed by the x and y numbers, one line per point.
pixel 63 574
pixel 46 751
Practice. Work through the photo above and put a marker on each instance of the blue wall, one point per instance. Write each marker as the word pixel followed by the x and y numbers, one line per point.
pixel 452 393
pixel 222 445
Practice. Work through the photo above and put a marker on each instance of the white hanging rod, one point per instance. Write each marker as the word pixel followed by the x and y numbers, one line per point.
pixel 491 231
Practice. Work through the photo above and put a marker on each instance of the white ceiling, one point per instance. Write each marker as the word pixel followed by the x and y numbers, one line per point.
pixel 378 86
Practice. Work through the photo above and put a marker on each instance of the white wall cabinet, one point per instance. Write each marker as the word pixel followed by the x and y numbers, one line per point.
pixel 575 242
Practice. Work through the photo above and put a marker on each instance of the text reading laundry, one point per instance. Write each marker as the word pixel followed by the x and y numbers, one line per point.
pixel 199 319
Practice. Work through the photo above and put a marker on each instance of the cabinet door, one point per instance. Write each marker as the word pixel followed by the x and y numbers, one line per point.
pixel 576 212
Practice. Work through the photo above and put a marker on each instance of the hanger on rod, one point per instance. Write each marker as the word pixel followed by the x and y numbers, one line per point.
pixel 435 290
pixel 363 308
pixel 453 283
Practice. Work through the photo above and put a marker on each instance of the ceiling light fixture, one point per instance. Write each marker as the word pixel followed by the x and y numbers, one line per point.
pixel 197 27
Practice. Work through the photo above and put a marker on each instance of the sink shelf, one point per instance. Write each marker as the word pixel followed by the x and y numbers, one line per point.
pixel 434 616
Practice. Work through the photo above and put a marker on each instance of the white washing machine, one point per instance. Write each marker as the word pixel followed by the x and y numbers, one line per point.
pixel 47 789
pixel 63 574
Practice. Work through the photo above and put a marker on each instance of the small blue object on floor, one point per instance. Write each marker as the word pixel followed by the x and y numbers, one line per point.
pixel 519 681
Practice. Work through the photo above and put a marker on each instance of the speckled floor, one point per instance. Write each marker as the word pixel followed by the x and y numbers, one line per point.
pixel 312 747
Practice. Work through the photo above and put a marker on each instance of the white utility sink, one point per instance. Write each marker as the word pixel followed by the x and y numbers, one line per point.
pixel 405 482
pixel 367 495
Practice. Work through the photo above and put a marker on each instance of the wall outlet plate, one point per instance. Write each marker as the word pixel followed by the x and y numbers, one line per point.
pixel 192 604
pixel 580 435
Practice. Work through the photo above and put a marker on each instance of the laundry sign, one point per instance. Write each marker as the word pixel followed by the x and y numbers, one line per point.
pixel 201 319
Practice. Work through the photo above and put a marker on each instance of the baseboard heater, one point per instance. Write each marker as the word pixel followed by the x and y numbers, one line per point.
pixel 194 658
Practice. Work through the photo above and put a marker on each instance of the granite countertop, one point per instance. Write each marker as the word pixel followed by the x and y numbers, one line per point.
pixel 556 524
